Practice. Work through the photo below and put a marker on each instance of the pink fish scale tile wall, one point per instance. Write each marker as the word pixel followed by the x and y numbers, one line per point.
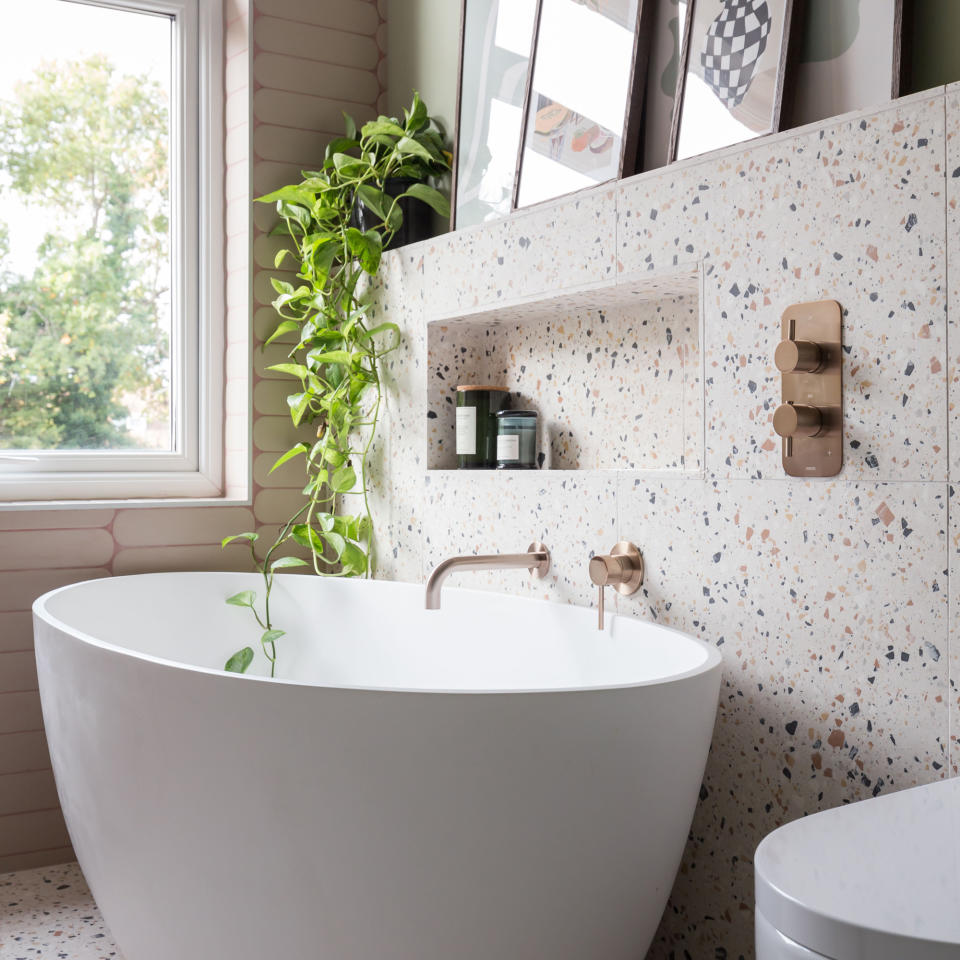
pixel 287 76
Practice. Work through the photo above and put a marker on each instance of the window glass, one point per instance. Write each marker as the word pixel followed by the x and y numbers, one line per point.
pixel 86 314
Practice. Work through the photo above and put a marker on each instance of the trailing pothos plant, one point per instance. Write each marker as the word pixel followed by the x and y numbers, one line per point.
pixel 336 357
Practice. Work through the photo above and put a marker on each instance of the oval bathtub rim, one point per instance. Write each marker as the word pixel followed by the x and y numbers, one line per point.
pixel 713 660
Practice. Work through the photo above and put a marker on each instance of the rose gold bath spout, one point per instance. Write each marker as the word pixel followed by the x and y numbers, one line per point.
pixel 536 560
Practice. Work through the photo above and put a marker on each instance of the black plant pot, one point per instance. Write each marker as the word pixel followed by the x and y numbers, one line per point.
pixel 417 216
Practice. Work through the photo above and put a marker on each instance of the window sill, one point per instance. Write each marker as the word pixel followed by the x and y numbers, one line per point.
pixel 68 491
pixel 131 504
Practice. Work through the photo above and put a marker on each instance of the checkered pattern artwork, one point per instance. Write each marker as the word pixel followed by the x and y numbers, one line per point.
pixel 734 43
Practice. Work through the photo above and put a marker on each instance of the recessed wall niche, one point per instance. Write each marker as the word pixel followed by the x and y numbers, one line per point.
pixel 614 373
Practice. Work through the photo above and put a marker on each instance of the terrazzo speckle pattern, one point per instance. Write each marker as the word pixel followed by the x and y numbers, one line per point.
pixel 953 257
pixel 49 914
pixel 563 245
pixel 828 604
pixel 953 312
pixel 399 460
pixel 852 211
pixel 500 511
pixel 832 602
pixel 609 384
pixel 953 690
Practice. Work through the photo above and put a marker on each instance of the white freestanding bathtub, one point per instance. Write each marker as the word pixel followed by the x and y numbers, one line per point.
pixel 497 780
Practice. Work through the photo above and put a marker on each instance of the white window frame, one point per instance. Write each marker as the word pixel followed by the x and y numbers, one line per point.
pixel 194 469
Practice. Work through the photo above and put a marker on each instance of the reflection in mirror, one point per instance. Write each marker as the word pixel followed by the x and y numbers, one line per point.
pixel 668 28
pixel 733 77
pixel 581 91
pixel 496 52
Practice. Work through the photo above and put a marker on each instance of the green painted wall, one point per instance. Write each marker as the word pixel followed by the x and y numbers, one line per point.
pixel 423 50
pixel 935 48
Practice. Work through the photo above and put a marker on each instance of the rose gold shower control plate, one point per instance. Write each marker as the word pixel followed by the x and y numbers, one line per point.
pixel 817 390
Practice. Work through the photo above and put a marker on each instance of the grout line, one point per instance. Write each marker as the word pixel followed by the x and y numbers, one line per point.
pixel 320 26
pixel 289 126
pixel 305 93
pixel 336 64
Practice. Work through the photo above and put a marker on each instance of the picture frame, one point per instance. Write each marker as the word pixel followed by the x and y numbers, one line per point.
pixel 733 70
pixel 496 47
pixel 848 58
pixel 561 146
pixel 584 105
pixel 667 31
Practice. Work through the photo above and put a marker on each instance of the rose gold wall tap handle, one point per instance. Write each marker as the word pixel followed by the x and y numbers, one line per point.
pixel 621 569
pixel 610 570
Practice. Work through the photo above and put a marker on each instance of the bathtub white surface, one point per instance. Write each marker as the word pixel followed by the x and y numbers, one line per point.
pixel 499 780
pixel 477 642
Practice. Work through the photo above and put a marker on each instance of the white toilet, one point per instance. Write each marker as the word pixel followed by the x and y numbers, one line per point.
pixel 876 880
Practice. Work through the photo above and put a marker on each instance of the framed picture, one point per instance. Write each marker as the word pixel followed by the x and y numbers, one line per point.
pixel 849 58
pixel 667 30
pixel 586 92
pixel 496 38
pixel 550 100
pixel 731 85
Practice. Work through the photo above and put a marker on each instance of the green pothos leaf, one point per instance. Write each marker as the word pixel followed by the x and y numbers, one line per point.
pixel 293 369
pixel 337 543
pixel 344 479
pixel 245 598
pixel 306 536
pixel 271 637
pixel 350 125
pixel 252 537
pixel 410 146
pixel 239 662
pixel 366 247
pixel 433 198
pixel 298 403
pixel 294 451
pixel 287 326
pixel 353 559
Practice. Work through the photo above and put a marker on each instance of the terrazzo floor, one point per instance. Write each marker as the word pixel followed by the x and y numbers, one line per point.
pixel 49 914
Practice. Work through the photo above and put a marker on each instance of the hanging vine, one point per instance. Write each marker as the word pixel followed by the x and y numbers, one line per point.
pixel 336 359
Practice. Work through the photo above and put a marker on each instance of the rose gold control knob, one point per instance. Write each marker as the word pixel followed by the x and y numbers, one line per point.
pixel 797 420
pixel 609 571
pixel 798 356
pixel 621 569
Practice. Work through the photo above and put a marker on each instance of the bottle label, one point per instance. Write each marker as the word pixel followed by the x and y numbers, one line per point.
pixel 508 447
pixel 467 431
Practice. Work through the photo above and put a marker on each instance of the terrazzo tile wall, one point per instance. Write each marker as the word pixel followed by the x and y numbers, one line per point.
pixel 833 602
pixel 284 63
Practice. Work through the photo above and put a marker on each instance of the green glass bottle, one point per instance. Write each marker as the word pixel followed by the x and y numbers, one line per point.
pixel 477 406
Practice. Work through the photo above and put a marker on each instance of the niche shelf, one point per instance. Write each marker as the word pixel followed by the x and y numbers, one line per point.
pixel 614 372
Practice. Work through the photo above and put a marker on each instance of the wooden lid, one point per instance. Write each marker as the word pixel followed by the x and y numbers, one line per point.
pixel 464 387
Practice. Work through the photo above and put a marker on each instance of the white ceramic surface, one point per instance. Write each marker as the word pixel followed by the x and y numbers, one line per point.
pixel 494 780
pixel 878 879
pixel 773 945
